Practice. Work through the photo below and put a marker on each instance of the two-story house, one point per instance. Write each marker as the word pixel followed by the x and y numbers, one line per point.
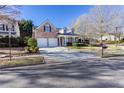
pixel 48 35
pixel 8 26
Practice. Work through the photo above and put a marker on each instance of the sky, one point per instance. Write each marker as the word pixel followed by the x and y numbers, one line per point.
pixel 60 15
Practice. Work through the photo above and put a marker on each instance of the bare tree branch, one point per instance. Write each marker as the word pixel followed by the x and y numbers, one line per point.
pixel 2 6
pixel 10 10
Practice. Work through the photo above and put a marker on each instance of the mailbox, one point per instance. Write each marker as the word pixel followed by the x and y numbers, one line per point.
pixel 104 46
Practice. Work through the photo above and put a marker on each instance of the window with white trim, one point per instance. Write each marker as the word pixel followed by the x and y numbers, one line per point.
pixel 47 28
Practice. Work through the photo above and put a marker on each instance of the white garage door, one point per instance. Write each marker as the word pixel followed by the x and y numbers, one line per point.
pixel 42 42
pixel 47 42
pixel 53 42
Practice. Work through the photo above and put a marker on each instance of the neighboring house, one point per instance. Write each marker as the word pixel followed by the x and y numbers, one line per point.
pixel 8 25
pixel 48 35
pixel 111 37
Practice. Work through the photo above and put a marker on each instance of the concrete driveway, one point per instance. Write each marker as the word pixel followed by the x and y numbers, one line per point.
pixel 64 54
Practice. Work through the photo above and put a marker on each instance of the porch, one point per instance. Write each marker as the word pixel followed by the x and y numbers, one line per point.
pixel 64 39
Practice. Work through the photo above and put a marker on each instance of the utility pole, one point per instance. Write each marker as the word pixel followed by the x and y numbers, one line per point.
pixel 102 47
pixel 116 29
pixel 102 53
pixel 10 57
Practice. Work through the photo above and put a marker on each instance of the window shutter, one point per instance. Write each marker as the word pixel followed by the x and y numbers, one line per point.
pixel 44 28
pixel 12 27
pixel 50 28
pixel 3 27
pixel 6 28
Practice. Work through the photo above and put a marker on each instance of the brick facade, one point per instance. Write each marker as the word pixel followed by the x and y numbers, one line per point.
pixel 40 33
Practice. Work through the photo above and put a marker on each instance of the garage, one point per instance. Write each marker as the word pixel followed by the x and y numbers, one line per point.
pixel 47 42
pixel 53 42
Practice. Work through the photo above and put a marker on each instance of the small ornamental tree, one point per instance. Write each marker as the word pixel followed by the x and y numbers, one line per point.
pixel 32 45
pixel 25 27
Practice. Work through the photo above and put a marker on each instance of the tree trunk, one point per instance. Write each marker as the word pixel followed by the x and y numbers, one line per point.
pixel 102 53
pixel 116 37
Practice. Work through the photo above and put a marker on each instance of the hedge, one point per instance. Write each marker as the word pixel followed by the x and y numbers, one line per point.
pixel 79 44
pixel 15 42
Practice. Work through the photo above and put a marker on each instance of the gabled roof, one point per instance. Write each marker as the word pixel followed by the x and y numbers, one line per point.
pixel 46 21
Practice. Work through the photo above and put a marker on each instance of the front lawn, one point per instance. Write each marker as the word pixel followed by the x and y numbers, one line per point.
pixel 21 62
pixel 112 50
pixel 86 49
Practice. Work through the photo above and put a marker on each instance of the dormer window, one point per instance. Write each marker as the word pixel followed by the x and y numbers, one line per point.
pixel 47 28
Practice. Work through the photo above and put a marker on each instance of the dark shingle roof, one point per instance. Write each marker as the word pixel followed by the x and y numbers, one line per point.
pixel 68 34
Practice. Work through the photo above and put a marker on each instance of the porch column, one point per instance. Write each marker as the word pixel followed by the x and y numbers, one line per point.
pixel 65 40
pixel 59 41
pixel 73 39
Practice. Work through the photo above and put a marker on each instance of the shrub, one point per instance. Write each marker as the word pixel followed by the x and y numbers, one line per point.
pixel 15 41
pixel 32 46
pixel 4 41
pixel 76 44
pixel 32 42
pixel 110 42
pixel 69 44
pixel 121 41
pixel 25 40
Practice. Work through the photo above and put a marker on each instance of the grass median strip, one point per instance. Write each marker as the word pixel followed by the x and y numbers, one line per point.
pixel 21 62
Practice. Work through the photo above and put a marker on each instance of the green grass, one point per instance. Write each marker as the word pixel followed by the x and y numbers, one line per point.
pixel 21 62
pixel 112 50
pixel 86 49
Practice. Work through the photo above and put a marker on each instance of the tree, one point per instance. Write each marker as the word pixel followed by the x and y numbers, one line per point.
pixel 12 11
pixel 80 25
pixel 9 13
pixel 26 27
pixel 32 45
pixel 84 28
pixel 106 18
pixel 99 21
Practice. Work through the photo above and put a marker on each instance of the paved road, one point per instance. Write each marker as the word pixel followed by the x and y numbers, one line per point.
pixel 91 72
